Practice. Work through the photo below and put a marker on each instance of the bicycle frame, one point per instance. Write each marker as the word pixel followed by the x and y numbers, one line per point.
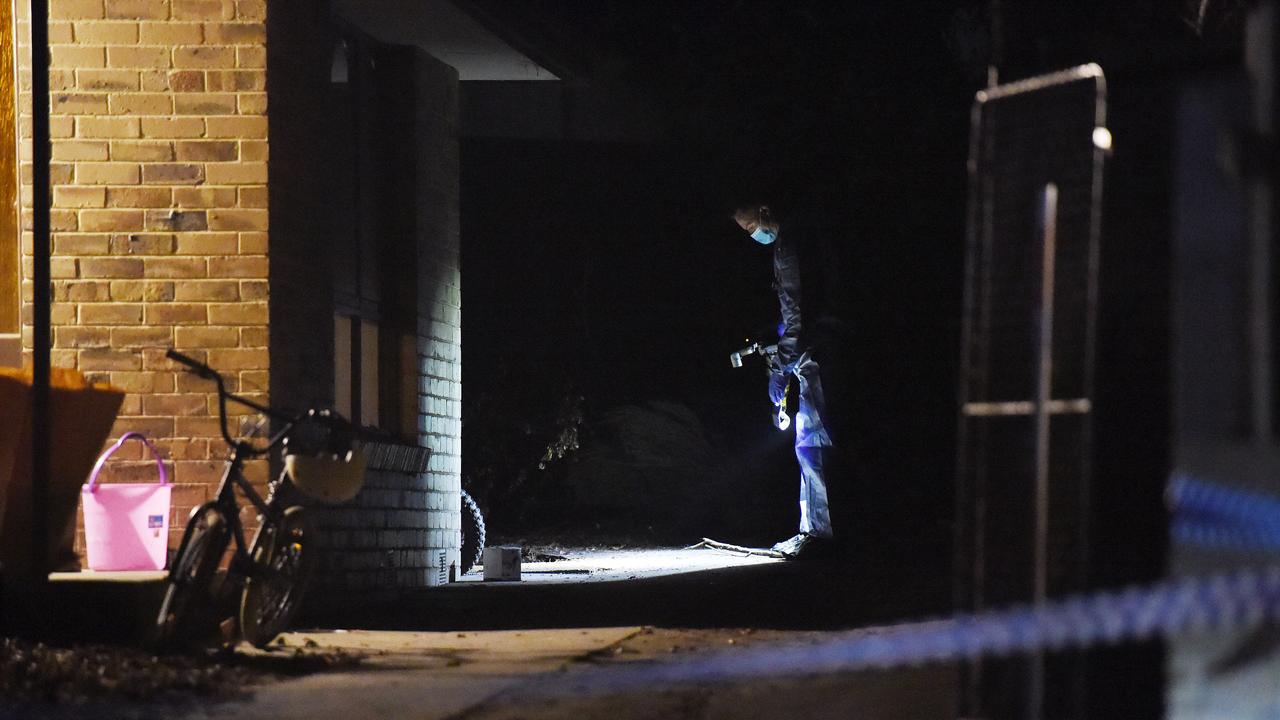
pixel 225 500
pixel 272 569
pixel 233 471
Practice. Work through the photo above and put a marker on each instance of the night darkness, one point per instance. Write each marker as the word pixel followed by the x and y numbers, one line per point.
pixel 612 272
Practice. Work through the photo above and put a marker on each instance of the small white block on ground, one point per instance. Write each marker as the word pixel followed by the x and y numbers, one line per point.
pixel 502 563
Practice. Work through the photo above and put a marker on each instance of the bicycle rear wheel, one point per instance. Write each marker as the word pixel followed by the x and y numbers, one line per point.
pixel 284 557
pixel 187 600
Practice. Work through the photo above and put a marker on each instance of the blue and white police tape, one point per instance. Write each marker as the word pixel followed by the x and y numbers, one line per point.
pixel 1210 502
pixel 1216 603
pixel 1211 515
pixel 1205 514
pixel 1224 537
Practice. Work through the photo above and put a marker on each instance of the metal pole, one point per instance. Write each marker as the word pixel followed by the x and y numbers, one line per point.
pixel 1271 76
pixel 995 16
pixel 966 570
pixel 1260 63
pixel 1044 388
pixel 40 300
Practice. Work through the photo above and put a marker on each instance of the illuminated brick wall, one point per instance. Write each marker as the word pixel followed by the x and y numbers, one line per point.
pixel 438 395
pixel 159 212
pixel 367 228
pixel 160 239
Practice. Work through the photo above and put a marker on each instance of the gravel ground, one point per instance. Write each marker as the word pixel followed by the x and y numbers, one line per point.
pixel 97 681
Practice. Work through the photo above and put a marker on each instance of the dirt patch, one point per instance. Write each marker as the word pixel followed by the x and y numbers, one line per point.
pixel 655 643
pixel 38 679
pixel 34 672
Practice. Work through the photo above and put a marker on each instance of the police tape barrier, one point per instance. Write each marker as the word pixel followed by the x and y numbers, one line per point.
pixel 1211 503
pixel 1213 516
pixel 1192 606
pixel 1220 537
pixel 1175 609
pixel 1204 513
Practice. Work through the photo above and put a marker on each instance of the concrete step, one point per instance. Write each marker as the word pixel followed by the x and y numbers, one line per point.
pixel 104 607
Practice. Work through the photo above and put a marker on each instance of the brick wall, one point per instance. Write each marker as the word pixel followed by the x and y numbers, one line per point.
pixel 303 201
pixel 364 199
pixel 159 212
pixel 439 300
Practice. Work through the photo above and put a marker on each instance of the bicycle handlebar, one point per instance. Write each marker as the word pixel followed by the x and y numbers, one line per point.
pixel 208 373
pixel 196 366
pixel 325 417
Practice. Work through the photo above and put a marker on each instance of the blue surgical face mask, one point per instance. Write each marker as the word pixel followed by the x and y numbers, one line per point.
pixel 764 235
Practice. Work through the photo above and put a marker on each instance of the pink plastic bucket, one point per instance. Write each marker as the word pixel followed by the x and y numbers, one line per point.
pixel 126 526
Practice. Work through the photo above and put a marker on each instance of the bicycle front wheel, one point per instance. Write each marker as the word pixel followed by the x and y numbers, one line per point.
pixel 187 600
pixel 282 564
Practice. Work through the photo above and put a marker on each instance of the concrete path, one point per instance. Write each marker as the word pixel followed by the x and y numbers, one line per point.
pixel 579 674
pixel 579 566
pixel 598 635
pixel 419 675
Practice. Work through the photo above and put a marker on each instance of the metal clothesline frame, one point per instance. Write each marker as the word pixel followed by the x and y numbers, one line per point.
pixel 1041 406
pixel 41 415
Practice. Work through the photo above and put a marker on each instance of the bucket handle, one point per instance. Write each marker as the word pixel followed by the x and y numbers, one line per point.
pixel 102 459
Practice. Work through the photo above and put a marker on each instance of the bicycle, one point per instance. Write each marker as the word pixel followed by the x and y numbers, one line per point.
pixel 275 568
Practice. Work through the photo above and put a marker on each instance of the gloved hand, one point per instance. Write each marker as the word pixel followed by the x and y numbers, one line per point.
pixel 778 386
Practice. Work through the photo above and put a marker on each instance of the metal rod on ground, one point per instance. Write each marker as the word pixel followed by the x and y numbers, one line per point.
pixel 40 300
pixel 717 545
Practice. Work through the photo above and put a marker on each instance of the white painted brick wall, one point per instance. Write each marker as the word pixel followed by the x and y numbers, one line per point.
pixel 400 532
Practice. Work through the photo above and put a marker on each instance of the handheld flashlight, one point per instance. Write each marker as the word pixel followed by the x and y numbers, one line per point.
pixel 782 420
